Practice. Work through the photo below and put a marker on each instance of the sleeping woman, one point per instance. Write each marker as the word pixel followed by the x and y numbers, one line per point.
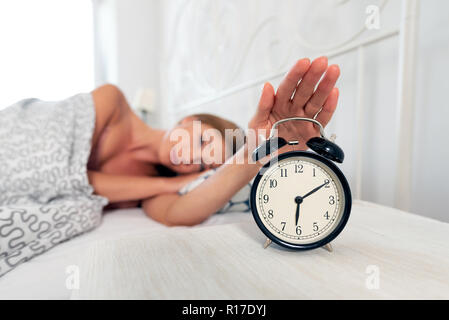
pixel 132 164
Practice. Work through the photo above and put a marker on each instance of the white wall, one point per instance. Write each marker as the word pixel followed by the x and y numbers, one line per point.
pixel 191 49
pixel 127 45
pixel 46 49
pixel 431 152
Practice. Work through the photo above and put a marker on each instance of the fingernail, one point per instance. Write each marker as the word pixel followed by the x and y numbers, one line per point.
pixel 336 66
pixel 322 58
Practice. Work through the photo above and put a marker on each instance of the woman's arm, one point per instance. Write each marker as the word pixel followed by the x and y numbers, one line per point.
pixel 119 188
pixel 291 100
pixel 206 199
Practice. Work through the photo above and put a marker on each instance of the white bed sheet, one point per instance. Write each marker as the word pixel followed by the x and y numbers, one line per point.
pixel 44 277
pixel 411 251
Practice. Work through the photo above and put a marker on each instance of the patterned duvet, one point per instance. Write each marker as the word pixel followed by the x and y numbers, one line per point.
pixel 45 196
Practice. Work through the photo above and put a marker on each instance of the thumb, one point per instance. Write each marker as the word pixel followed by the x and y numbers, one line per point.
pixel 266 103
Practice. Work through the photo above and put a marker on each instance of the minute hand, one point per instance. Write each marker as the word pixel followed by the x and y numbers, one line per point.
pixel 314 190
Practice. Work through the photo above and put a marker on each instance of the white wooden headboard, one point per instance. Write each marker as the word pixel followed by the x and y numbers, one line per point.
pixel 220 53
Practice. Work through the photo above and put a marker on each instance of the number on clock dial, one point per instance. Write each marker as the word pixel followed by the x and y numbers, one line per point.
pixel 317 212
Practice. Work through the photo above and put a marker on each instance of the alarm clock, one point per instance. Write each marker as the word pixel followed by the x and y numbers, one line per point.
pixel 300 199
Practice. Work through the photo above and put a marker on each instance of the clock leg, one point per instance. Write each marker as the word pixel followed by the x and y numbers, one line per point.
pixel 267 243
pixel 328 247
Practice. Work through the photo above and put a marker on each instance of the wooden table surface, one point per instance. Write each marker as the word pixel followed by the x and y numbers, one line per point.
pixel 383 253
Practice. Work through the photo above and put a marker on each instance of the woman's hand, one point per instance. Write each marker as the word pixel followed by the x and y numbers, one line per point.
pixel 294 99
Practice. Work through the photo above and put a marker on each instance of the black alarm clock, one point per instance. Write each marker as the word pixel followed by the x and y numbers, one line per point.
pixel 300 199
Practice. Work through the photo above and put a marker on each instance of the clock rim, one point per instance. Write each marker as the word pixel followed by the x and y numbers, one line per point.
pixel 347 204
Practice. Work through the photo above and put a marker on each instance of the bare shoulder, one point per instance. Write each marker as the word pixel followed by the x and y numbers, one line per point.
pixel 110 106
pixel 108 99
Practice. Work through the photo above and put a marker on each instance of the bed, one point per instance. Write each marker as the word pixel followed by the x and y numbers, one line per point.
pixel 383 253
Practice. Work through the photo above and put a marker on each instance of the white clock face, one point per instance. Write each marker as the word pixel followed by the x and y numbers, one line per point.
pixel 300 200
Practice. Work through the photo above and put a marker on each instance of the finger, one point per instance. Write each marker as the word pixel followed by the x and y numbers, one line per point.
pixel 329 107
pixel 266 103
pixel 323 91
pixel 308 83
pixel 290 82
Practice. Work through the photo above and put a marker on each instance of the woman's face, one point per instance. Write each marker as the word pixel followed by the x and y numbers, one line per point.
pixel 192 146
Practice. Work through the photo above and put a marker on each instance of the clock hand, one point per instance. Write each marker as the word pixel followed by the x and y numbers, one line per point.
pixel 314 190
pixel 297 213
pixel 298 201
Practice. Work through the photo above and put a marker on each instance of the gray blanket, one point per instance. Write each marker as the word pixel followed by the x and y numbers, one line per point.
pixel 45 196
